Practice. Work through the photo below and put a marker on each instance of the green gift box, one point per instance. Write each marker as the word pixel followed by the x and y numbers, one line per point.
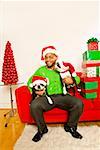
pixel 89 95
pixel 91 55
pixel 89 85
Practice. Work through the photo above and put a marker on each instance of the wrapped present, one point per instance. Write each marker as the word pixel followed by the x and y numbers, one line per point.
pixel 89 85
pixel 92 71
pixel 93 44
pixel 93 79
pixel 91 68
pixel 90 63
pixel 89 95
pixel 91 55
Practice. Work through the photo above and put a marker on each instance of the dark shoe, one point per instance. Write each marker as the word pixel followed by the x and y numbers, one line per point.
pixel 73 131
pixel 39 135
pixel 45 130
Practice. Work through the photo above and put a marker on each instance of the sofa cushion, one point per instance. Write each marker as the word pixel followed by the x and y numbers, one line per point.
pixel 88 103
pixel 56 111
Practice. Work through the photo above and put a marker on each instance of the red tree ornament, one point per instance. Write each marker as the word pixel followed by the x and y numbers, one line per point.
pixel 9 72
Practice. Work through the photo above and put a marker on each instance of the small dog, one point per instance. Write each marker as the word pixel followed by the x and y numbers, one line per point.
pixel 39 84
pixel 65 72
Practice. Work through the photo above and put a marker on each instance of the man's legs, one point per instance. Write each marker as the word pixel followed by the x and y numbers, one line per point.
pixel 75 109
pixel 37 107
pixel 70 103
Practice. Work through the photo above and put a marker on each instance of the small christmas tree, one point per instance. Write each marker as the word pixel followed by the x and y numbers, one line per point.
pixel 9 72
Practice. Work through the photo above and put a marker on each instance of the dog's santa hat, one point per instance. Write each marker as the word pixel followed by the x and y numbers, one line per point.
pixel 48 49
pixel 39 79
pixel 44 81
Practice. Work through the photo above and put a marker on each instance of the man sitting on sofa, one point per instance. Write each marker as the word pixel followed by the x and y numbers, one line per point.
pixel 55 90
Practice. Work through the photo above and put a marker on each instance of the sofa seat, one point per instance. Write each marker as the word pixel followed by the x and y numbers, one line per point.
pixel 91 110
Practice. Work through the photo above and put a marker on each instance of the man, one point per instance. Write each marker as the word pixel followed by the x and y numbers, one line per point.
pixel 55 90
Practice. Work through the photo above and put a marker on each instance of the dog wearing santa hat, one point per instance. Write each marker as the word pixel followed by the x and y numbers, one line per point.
pixel 66 71
pixel 39 85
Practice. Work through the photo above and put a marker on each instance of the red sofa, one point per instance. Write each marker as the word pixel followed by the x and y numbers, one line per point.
pixel 91 108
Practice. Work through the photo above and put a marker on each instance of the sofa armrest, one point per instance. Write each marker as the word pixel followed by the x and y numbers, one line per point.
pixel 23 98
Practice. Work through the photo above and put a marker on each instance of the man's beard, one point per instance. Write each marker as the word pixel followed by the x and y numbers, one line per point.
pixel 50 66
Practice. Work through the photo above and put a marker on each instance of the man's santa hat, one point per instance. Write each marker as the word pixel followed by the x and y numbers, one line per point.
pixel 41 80
pixel 48 49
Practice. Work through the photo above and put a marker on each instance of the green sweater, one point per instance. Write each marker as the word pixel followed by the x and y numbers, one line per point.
pixel 55 84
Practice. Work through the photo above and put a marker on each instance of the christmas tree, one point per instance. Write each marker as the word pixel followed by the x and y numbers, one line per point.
pixel 9 72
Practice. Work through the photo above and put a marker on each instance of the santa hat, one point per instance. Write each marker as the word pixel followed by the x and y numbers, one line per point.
pixel 38 79
pixel 71 69
pixel 48 49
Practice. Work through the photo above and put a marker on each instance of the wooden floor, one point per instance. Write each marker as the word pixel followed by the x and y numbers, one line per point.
pixel 10 134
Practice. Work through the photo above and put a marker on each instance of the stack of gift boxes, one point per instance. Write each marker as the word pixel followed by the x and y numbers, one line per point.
pixel 91 70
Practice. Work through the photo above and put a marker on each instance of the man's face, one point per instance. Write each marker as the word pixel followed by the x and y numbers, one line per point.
pixel 50 60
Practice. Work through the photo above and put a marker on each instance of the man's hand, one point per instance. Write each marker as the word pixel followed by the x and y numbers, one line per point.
pixel 68 80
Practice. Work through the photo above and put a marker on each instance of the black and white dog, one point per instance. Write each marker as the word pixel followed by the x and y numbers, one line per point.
pixel 40 84
pixel 67 71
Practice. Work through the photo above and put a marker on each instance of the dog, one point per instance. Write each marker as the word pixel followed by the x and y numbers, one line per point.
pixel 40 84
pixel 65 72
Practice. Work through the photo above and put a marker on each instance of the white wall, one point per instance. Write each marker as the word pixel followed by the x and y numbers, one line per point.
pixel 30 26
